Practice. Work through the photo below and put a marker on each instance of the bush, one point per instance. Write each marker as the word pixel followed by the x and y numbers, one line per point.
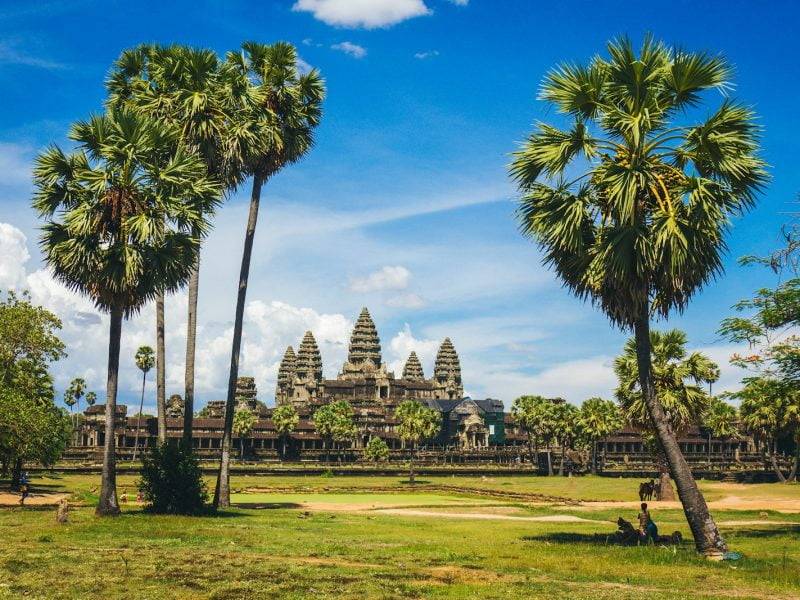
pixel 376 450
pixel 171 480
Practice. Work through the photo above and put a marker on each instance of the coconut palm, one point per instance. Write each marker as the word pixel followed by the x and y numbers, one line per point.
pixel 184 87
pixel 641 228
pixel 277 113
pixel 598 419
pixel 144 362
pixel 107 207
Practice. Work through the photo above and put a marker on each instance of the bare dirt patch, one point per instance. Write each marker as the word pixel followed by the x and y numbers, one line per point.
pixel 785 505
pixel 46 499
pixel 412 512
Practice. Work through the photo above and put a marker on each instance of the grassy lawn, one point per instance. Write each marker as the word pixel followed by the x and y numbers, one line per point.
pixel 347 550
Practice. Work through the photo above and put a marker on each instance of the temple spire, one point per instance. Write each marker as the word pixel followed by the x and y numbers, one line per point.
pixel 285 375
pixel 308 366
pixel 413 369
pixel 365 345
pixel 447 372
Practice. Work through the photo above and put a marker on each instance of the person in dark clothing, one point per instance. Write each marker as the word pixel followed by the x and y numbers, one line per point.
pixel 24 488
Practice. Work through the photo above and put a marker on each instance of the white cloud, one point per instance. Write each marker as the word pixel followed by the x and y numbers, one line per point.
pixel 459 2
pixel 15 168
pixel 410 300
pixel 386 278
pixel 351 49
pixel 302 66
pixel 403 343
pixel 10 55
pixel 14 253
pixel 426 54
pixel 368 14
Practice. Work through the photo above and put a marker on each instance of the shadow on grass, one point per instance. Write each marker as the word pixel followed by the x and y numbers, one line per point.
pixel 415 482
pixel 596 539
pixel 758 532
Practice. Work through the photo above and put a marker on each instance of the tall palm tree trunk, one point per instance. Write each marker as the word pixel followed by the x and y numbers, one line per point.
pixel 139 419
pixel 707 537
pixel 222 492
pixel 108 504
pixel 161 387
pixel 191 340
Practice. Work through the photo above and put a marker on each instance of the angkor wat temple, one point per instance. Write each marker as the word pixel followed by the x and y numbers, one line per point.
pixel 478 429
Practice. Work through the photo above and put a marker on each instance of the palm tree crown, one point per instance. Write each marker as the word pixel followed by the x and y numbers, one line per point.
pixel 107 205
pixel 145 359
pixel 641 228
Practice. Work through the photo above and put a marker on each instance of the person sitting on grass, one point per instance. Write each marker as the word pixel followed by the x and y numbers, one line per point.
pixel 648 531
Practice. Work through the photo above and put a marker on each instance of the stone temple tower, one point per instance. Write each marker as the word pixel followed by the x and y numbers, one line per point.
pixel 447 373
pixel 307 370
pixel 364 356
pixel 413 368
pixel 283 391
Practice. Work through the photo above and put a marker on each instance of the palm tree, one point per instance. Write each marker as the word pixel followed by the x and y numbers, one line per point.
pixel 285 420
pixel 720 420
pixel 278 112
pixel 417 423
pixel 598 419
pixel 243 422
pixel 106 206
pixel 565 430
pixel 144 362
pixel 78 388
pixel 642 228
pixel 91 398
pixel 184 87
pixel 680 381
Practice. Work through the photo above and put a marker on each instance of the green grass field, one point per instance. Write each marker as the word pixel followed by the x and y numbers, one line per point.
pixel 364 537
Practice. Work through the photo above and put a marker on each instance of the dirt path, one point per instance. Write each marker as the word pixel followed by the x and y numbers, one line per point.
pixel 48 499
pixel 412 512
pixel 727 503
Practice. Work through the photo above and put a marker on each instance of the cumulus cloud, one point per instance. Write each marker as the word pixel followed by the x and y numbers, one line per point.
pixel 14 253
pixel 403 343
pixel 368 14
pixel 351 49
pixel 386 278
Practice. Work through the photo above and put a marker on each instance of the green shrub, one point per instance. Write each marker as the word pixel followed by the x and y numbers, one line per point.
pixel 171 480
pixel 376 450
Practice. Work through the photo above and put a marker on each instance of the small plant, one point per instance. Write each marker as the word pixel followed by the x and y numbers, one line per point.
pixel 171 480
pixel 376 450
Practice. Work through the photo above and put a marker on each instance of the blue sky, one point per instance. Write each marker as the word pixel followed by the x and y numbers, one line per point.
pixel 404 205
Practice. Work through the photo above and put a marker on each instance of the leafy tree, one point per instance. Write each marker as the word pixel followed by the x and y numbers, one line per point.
pixel 108 205
pixel 768 408
pixel 277 112
pixel 144 362
pixel 417 423
pixel 376 450
pixel 565 429
pixel 334 423
pixel 31 427
pixel 537 417
pixel 642 228
pixel 186 88
pixel 599 419
pixel 243 422
pixel 720 420
pixel 285 420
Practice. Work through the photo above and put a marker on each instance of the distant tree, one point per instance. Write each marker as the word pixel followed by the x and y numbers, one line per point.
pixel 769 407
pixel 630 202
pixel 144 362
pixel 334 423
pixel 243 422
pixel 91 398
pixel 417 423
pixel 285 420
pixel 719 420
pixel 565 429
pixel 537 417
pixel 599 419
pixel 376 450
pixel 77 388
pixel 69 399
